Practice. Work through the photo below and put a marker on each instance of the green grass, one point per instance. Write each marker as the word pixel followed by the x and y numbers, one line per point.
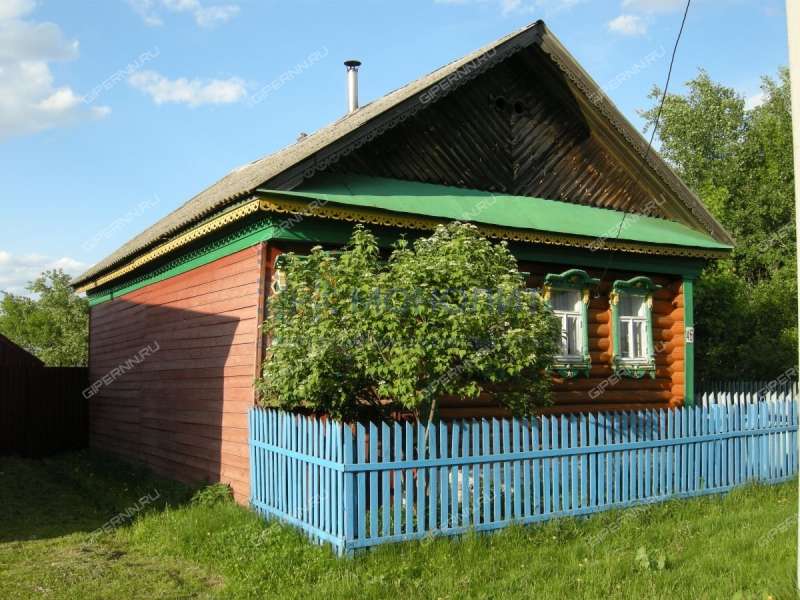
pixel 737 546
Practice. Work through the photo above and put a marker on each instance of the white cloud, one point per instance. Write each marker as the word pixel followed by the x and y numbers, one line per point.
pixel 193 92
pixel 755 100
pixel 14 9
pixel 17 270
pixel 632 25
pixel 205 16
pixel 653 5
pixel 29 99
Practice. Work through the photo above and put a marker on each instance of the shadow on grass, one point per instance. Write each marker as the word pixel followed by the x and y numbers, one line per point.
pixel 78 492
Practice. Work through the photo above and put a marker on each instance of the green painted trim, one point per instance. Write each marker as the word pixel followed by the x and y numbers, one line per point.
pixel 688 346
pixel 249 235
pixel 490 208
pixel 336 232
pixel 571 371
pixel 640 286
pixel 573 279
pixel 667 265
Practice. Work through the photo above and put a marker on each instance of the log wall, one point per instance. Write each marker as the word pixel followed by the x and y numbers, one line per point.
pixel 618 393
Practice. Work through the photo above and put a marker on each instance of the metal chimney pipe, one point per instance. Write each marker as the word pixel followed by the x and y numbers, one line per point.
pixel 352 84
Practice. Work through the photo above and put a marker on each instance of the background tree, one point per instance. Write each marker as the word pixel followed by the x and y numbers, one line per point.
pixel 739 161
pixel 447 315
pixel 53 324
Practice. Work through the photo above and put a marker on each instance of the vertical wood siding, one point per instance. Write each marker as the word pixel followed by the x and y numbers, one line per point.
pixel 182 409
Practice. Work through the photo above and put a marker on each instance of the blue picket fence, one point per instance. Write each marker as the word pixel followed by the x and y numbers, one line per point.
pixel 743 392
pixel 360 485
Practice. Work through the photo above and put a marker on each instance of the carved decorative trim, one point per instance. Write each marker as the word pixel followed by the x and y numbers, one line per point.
pixel 406 221
pixel 196 233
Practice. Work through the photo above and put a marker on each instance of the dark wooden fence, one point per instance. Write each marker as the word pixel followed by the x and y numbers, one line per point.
pixel 42 410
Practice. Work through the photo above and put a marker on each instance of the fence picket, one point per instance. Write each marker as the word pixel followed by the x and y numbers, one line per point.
pixel 455 441
pixel 517 491
pixel 476 474
pixel 408 433
pixel 445 488
pixel 425 435
pixel 555 466
pixel 397 431
pixel 536 497
pixel 563 442
pixel 546 482
pixel 603 481
pixel 485 451
pixel 466 495
pixel 386 456
pixel 506 449
pixel 528 499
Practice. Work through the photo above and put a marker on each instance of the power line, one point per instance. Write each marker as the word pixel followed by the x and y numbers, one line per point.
pixel 655 126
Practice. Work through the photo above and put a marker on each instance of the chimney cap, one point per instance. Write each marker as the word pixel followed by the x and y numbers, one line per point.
pixel 352 64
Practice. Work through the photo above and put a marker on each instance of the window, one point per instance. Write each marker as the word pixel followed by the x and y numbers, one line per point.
pixel 567 306
pixel 568 297
pixel 632 327
pixel 631 314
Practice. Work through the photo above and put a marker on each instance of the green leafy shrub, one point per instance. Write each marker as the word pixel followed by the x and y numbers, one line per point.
pixel 447 315
pixel 211 495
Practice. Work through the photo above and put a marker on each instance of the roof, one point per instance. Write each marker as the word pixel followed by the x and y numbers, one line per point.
pixel 519 212
pixel 287 168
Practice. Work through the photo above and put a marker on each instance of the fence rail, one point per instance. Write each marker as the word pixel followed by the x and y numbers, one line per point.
pixel 366 484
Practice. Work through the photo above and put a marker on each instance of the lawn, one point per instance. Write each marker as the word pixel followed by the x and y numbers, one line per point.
pixel 166 546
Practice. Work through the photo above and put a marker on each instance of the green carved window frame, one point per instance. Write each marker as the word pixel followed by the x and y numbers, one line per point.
pixel 625 366
pixel 571 280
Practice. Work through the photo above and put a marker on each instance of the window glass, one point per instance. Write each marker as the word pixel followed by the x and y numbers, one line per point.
pixel 566 305
pixel 633 327
pixel 566 300
pixel 631 305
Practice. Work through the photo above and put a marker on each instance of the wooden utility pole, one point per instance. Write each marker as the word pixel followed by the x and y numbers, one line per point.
pixel 793 29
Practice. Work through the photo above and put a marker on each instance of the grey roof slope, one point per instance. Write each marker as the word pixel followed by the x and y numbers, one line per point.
pixel 287 167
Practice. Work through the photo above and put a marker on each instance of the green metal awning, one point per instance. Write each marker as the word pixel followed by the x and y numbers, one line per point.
pixel 499 210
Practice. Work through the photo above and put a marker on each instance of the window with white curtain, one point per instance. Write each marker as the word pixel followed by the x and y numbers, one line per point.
pixel 567 306
pixel 633 327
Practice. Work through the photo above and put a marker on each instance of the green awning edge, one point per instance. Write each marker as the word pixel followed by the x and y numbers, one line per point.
pixel 500 210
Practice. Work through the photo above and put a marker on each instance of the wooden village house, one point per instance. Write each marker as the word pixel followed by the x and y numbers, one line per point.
pixel 516 138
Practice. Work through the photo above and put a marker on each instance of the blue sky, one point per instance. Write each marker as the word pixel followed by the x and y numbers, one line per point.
pixel 114 112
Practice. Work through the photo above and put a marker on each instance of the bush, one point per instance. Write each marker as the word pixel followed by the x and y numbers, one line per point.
pixel 447 315
pixel 211 495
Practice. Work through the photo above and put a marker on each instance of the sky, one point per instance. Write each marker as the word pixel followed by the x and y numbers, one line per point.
pixel 115 112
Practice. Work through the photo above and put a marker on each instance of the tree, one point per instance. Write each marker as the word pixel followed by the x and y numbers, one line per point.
pixel 53 324
pixel 739 161
pixel 446 316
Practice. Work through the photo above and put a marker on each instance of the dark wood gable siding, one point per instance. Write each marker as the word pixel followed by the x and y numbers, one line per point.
pixel 515 129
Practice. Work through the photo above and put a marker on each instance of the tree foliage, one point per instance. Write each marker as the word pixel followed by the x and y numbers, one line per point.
pixel 739 161
pixel 53 324
pixel 444 316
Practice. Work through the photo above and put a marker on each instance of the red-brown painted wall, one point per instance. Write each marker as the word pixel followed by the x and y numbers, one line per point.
pixel 182 410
